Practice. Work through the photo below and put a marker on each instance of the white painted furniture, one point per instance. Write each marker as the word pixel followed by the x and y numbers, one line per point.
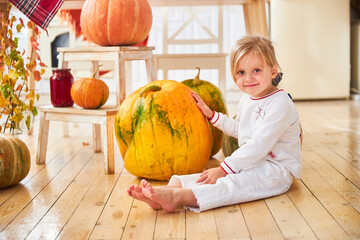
pixel 169 60
pixel 100 118
pixel 118 55
pixel 103 117
pixel 217 61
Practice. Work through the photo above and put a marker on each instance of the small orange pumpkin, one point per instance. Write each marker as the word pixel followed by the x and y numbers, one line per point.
pixel 89 93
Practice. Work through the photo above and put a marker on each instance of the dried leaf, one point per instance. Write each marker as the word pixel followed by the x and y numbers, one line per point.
pixel 19 27
pixel 31 95
pixel 85 144
pixel 19 87
pixel 30 24
pixel 28 121
pixel 2 101
pixel 34 111
pixel 37 75
pixel 11 73
pixel 34 43
pixel 22 22
pixel 4 89
pixel 16 118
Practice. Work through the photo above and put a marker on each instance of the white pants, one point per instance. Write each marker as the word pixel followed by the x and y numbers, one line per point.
pixel 265 180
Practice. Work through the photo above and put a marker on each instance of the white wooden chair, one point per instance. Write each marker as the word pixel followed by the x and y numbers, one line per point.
pixel 172 61
pixel 99 118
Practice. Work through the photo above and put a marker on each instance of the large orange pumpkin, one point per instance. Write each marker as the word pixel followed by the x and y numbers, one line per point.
pixel 89 93
pixel 14 160
pixel 161 132
pixel 212 96
pixel 116 22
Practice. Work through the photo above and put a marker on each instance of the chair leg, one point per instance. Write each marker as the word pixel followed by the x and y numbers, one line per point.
pixel 119 73
pixel 42 139
pixel 109 145
pixel 97 137
pixel 150 69
pixel 65 129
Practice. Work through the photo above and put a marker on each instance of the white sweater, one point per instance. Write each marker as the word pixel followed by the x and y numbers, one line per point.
pixel 267 128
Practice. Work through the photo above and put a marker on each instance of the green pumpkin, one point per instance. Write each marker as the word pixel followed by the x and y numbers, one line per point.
pixel 229 145
pixel 213 97
pixel 14 160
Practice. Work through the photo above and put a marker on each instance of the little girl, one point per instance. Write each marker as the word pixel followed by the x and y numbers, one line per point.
pixel 267 128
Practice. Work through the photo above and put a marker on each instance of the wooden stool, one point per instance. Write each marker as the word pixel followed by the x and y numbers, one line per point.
pixel 118 55
pixel 103 117
pixel 98 117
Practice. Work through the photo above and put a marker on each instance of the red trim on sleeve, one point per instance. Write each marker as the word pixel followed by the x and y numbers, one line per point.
pixel 229 167
pixel 212 116
pixel 218 116
pixel 223 169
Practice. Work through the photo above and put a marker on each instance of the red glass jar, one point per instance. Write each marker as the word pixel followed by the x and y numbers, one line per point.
pixel 60 87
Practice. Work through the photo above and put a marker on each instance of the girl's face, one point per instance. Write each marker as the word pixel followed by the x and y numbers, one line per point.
pixel 254 76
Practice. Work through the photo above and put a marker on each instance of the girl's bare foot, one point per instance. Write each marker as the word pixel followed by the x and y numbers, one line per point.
pixel 163 196
pixel 144 183
pixel 135 191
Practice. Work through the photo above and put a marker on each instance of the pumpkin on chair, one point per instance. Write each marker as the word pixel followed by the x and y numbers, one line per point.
pixel 89 93
pixel 116 22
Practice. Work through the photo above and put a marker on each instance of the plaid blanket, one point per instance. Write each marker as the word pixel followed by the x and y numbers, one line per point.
pixel 40 12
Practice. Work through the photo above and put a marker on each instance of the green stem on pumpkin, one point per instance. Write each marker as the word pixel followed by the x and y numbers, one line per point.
pixel 197 77
pixel 152 88
pixel 97 69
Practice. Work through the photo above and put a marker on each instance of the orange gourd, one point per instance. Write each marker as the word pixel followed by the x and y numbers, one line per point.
pixel 116 22
pixel 89 93
pixel 161 131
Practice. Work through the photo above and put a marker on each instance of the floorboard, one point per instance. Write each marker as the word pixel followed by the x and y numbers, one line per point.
pixel 70 197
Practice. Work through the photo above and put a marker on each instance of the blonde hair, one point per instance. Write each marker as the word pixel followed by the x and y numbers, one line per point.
pixel 256 44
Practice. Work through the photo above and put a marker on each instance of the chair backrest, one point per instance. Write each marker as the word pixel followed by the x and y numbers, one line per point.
pixel 201 28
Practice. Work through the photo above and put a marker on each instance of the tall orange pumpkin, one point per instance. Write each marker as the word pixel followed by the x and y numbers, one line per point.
pixel 116 22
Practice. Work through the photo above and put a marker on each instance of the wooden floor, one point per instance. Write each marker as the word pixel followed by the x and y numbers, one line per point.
pixel 71 198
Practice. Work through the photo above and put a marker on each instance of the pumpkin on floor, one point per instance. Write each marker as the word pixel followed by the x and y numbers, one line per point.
pixel 89 93
pixel 14 160
pixel 229 145
pixel 161 132
pixel 116 22
pixel 212 96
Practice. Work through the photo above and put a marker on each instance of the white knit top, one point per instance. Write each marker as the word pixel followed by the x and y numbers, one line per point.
pixel 267 128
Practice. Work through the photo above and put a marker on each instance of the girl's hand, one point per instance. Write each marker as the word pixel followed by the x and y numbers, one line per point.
pixel 211 175
pixel 208 113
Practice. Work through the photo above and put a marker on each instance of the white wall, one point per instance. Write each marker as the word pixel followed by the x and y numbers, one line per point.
pixel 313 45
